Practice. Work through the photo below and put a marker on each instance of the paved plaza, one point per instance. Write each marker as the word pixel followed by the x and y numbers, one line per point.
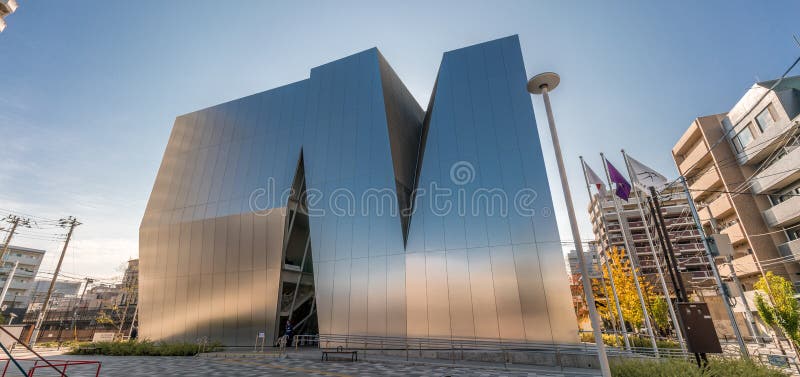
pixel 134 366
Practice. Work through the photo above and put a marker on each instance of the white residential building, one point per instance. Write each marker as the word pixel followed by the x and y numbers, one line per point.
pixel 21 289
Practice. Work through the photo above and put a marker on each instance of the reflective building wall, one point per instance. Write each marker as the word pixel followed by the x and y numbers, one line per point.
pixel 420 223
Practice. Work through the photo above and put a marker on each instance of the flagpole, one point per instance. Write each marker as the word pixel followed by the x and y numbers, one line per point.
pixel 543 83
pixel 605 293
pixel 623 222
pixel 600 253
pixel 664 288
pixel 600 198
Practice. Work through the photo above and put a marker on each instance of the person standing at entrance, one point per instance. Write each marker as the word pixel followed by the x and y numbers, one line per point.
pixel 288 332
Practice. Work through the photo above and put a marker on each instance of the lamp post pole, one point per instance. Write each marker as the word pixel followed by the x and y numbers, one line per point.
pixel 542 84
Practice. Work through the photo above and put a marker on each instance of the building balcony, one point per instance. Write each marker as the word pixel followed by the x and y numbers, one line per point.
pixel 789 248
pixel 7 6
pixel 736 233
pixel 744 266
pixel 705 182
pixel 766 143
pixel 682 222
pixel 636 224
pixel 779 174
pixel 684 234
pixel 694 156
pixel 784 213
pixel 688 247
pixel 720 206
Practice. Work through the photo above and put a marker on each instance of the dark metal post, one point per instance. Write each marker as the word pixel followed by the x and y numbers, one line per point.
pixel 670 252
pixel 662 238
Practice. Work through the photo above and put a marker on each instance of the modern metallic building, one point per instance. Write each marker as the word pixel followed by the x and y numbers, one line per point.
pixel 340 203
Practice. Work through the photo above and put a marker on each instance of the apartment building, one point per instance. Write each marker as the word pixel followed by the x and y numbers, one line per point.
pixel 65 294
pixel 20 292
pixel 682 233
pixel 6 7
pixel 743 170
pixel 590 255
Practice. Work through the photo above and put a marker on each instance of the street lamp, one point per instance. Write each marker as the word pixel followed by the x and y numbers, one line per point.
pixel 542 84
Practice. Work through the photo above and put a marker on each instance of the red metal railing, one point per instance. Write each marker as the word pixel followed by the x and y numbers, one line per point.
pixel 36 364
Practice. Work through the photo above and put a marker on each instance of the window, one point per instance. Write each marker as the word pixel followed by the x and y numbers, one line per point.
pixel 742 139
pixel 764 119
pixel 793 233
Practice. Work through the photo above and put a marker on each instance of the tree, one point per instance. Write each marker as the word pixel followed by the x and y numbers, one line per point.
pixel 626 289
pixel 659 312
pixel 781 309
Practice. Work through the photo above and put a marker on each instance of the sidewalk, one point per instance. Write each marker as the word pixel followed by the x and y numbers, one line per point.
pixel 314 354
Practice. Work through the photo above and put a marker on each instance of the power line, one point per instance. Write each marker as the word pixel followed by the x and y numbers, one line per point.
pixel 731 161
pixel 739 192
pixel 725 134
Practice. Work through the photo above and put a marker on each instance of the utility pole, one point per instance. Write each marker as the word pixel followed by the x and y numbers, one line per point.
pixel 661 240
pixel 722 291
pixel 682 294
pixel 751 322
pixel 70 222
pixel 15 221
pixel 75 315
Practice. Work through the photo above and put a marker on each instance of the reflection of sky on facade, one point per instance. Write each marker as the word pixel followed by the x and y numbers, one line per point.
pixel 483 275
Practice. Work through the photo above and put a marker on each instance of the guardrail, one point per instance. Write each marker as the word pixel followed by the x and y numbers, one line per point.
pixel 457 347
pixel 33 365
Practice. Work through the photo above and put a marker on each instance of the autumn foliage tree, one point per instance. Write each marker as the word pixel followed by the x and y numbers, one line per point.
pixel 628 298
pixel 779 308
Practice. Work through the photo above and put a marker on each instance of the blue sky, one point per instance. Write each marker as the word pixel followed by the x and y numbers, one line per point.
pixel 90 89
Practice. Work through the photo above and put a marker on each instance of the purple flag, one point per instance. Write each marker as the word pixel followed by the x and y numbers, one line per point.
pixel 623 187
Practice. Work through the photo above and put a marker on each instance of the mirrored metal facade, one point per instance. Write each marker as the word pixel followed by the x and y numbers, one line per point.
pixel 417 222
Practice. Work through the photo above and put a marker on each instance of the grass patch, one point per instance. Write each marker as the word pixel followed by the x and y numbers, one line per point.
pixel 65 344
pixel 676 367
pixel 636 341
pixel 143 348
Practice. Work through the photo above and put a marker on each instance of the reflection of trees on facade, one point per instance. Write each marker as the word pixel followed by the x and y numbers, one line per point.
pixel 628 297
pixel 578 298
pixel 104 318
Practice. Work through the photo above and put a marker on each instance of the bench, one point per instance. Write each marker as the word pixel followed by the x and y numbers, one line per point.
pixel 339 351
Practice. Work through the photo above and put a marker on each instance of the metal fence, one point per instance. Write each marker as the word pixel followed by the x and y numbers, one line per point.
pixel 456 348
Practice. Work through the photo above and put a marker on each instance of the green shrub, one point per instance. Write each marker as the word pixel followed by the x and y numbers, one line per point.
pixel 143 348
pixel 677 367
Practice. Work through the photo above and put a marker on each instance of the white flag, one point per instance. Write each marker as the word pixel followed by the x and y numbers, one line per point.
pixel 645 177
pixel 593 179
